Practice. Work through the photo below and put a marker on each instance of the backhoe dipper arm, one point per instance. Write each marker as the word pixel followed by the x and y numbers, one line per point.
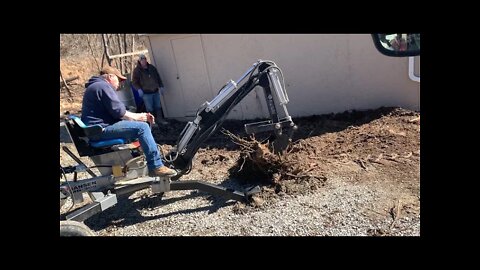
pixel 211 115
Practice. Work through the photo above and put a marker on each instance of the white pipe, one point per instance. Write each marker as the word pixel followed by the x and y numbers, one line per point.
pixel 411 68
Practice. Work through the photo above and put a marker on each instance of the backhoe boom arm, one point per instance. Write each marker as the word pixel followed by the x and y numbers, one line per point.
pixel 211 115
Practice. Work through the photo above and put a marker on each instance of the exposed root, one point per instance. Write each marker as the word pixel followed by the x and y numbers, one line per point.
pixel 258 163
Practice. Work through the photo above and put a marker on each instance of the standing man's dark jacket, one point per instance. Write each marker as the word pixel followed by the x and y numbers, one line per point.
pixel 146 79
pixel 101 104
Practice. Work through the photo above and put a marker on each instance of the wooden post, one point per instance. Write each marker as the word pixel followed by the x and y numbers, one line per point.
pixel 128 54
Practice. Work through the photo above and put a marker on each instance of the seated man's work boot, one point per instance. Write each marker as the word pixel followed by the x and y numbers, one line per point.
pixel 162 171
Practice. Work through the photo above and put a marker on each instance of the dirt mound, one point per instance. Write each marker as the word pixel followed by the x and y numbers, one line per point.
pixel 376 145
pixel 381 145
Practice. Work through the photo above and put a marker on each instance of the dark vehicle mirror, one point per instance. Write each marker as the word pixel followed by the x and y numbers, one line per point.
pixel 398 45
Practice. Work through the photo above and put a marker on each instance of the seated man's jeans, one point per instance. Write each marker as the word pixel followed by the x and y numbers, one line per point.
pixel 131 130
pixel 152 102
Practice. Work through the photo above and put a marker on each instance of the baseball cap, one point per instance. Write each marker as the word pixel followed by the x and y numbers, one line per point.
pixel 112 70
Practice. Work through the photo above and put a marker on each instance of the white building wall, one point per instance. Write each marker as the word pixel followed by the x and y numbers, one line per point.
pixel 324 73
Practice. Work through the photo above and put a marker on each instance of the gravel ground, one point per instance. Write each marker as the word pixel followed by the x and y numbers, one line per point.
pixel 337 209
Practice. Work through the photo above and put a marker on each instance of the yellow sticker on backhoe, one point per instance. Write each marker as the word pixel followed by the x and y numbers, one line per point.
pixel 117 170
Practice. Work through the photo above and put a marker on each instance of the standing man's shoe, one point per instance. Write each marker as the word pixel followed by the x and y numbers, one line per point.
pixel 160 119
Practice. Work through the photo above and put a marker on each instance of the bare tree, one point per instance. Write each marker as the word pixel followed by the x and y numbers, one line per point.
pixel 65 85
pixel 93 53
pixel 105 49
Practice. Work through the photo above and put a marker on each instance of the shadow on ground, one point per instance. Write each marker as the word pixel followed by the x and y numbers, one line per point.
pixel 129 211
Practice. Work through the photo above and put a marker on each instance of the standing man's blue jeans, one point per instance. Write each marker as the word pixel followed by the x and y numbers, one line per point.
pixel 138 99
pixel 152 102
pixel 131 130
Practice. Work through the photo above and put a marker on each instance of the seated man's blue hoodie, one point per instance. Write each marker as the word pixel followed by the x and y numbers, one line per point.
pixel 101 104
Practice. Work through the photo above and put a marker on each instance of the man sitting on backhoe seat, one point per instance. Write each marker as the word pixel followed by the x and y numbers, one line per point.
pixel 102 106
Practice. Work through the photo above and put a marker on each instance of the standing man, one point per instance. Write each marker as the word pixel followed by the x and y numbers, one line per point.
pixel 146 79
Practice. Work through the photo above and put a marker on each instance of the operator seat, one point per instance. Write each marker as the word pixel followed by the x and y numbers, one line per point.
pixel 80 133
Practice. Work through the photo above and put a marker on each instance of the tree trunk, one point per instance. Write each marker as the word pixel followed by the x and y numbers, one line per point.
pixel 120 52
pixel 133 56
pixel 105 46
pixel 91 50
pixel 65 84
